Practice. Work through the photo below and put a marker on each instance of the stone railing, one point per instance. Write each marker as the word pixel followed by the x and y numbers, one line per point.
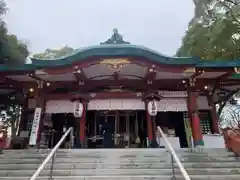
pixel 232 140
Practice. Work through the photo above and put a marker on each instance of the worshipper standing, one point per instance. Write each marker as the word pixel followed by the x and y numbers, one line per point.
pixel 107 134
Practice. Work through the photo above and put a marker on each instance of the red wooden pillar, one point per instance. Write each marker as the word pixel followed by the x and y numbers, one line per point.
pixel 149 125
pixel 23 119
pixel 82 125
pixel 215 127
pixel 39 96
pixel 195 120
pixel 41 103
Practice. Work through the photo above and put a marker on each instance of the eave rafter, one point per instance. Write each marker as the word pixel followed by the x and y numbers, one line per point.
pixel 80 76
pixel 9 82
pixel 219 80
pixel 197 73
pixel 214 84
pixel 173 84
pixel 228 96
pixel 6 82
pixel 35 77
pixel 101 95
pixel 150 75
pixel 225 90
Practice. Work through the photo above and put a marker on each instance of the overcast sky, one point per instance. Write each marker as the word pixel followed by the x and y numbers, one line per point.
pixel 157 24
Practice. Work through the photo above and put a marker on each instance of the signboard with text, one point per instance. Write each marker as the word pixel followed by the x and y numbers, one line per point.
pixel 35 127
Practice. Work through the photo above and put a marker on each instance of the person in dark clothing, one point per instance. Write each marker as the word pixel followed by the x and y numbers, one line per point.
pixel 142 136
pixel 107 134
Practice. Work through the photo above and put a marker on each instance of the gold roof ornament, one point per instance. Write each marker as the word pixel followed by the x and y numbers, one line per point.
pixel 115 63
pixel 190 70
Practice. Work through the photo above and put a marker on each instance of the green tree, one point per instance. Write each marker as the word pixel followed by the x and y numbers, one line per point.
pixel 206 11
pixel 54 53
pixel 10 115
pixel 12 50
pixel 213 34
pixel 218 40
pixel 12 53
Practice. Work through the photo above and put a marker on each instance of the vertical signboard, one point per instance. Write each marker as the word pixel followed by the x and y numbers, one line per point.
pixel 35 127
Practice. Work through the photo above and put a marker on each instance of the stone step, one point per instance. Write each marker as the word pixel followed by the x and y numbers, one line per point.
pixel 149 150
pixel 145 177
pixel 104 156
pixel 119 164
pixel 122 160
pixel 80 166
pixel 115 172
pixel 134 156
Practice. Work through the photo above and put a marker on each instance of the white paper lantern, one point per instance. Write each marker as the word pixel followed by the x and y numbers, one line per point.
pixel 78 109
pixel 152 108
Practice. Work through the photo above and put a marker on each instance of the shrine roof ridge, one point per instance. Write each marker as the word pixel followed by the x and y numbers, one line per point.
pixel 108 50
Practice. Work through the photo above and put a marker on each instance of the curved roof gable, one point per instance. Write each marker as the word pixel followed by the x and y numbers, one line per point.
pixel 114 50
pixel 116 46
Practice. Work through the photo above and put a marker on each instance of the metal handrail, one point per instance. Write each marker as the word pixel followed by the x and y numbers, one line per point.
pixel 174 155
pixel 51 154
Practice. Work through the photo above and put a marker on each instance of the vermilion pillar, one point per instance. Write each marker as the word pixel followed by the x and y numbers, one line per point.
pixel 195 120
pixel 215 127
pixel 39 95
pixel 82 125
pixel 149 126
pixel 41 103
pixel 22 123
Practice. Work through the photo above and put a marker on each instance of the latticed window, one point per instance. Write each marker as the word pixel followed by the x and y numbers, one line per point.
pixel 205 120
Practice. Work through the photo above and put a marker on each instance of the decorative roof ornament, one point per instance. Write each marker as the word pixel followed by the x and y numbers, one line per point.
pixel 115 63
pixel 116 38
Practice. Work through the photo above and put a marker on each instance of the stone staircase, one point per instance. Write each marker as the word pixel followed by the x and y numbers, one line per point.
pixel 120 164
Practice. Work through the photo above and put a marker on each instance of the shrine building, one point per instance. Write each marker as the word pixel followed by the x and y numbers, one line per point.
pixel 120 82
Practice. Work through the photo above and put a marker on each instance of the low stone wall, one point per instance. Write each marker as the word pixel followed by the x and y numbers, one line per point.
pixel 232 140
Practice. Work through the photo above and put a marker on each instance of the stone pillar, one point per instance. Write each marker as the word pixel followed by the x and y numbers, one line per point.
pixel 195 120
pixel 214 116
pixel 149 126
pixel 82 125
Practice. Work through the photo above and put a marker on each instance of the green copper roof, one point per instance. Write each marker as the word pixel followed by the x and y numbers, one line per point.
pixel 218 63
pixel 25 67
pixel 117 47
pixel 114 50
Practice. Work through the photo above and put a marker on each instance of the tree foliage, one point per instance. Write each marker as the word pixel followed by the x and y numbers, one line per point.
pixel 206 11
pixel 10 116
pixel 12 50
pixel 214 34
pixel 219 39
pixel 54 53
pixel 230 116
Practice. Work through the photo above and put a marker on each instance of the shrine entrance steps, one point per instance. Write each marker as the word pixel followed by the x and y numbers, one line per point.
pixel 120 164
